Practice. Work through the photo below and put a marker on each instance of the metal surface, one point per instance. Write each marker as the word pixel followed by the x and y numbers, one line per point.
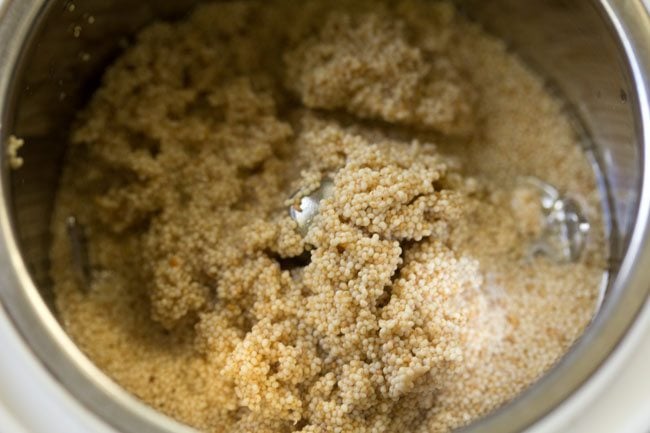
pixel 596 53
pixel 565 228
pixel 304 213
pixel 79 250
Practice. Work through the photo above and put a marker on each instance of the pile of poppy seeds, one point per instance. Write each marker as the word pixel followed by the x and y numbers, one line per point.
pixel 410 300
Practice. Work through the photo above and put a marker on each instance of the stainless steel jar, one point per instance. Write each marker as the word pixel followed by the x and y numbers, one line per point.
pixel 596 53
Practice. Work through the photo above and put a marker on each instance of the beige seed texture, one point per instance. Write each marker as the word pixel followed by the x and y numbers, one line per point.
pixel 409 304
pixel 13 146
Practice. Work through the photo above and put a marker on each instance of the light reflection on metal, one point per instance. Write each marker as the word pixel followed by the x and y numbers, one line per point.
pixel 304 213
pixel 565 228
